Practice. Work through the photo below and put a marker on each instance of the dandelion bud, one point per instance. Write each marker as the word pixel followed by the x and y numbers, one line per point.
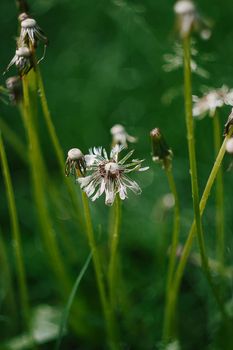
pixel 228 124
pixel 229 146
pixel 160 150
pixel 14 87
pixel 75 162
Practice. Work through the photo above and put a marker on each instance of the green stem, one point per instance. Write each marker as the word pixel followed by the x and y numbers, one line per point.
pixel 193 170
pixel 56 144
pixel 16 235
pixel 219 196
pixel 188 244
pixel 114 241
pixel 175 239
pixel 99 275
pixel 38 176
pixel 191 148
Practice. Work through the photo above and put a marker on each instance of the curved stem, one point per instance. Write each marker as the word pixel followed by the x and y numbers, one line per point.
pixel 16 235
pixel 99 275
pixel 172 260
pixel 188 244
pixel 114 241
pixel 219 196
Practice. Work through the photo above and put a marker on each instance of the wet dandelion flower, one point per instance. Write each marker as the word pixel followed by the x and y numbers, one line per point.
pixel 30 32
pixel 75 162
pixel 109 175
pixel 212 100
pixel 22 60
pixel 188 19
pixel 120 136
pixel 14 88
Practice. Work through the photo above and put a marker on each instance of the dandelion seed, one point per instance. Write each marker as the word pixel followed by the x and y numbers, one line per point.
pixel 189 19
pixel 160 150
pixel 22 59
pixel 15 90
pixel 30 32
pixel 212 100
pixel 75 161
pixel 120 136
pixel 109 175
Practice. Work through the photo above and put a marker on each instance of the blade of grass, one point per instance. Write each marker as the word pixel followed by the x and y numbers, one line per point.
pixel 67 308
pixel 16 235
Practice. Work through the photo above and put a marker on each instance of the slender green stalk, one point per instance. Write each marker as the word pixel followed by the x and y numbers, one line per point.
pixel 56 144
pixel 219 196
pixel 38 176
pixel 99 275
pixel 175 239
pixel 188 244
pixel 16 235
pixel 114 241
pixel 191 147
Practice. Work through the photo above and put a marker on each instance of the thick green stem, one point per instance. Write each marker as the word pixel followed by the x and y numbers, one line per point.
pixel 38 176
pixel 16 235
pixel 188 244
pixel 114 241
pixel 219 196
pixel 99 275
pixel 174 244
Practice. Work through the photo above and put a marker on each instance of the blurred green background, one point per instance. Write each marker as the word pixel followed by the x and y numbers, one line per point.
pixel 104 65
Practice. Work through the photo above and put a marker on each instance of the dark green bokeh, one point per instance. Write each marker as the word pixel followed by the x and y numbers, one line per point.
pixel 104 66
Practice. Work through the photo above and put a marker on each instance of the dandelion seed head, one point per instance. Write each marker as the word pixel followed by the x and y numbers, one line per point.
pixel 75 154
pixel 14 87
pixel 23 52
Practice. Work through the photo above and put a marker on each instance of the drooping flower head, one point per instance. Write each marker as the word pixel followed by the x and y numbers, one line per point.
pixel 22 60
pixel 30 32
pixel 188 19
pixel 120 136
pixel 209 102
pixel 75 162
pixel 109 175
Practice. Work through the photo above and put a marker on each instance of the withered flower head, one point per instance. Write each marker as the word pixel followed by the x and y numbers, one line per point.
pixel 22 59
pixel 160 150
pixel 30 32
pixel 75 162
pixel 109 175
pixel 188 19
pixel 120 136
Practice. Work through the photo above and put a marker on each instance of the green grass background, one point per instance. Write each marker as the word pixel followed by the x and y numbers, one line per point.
pixel 104 66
